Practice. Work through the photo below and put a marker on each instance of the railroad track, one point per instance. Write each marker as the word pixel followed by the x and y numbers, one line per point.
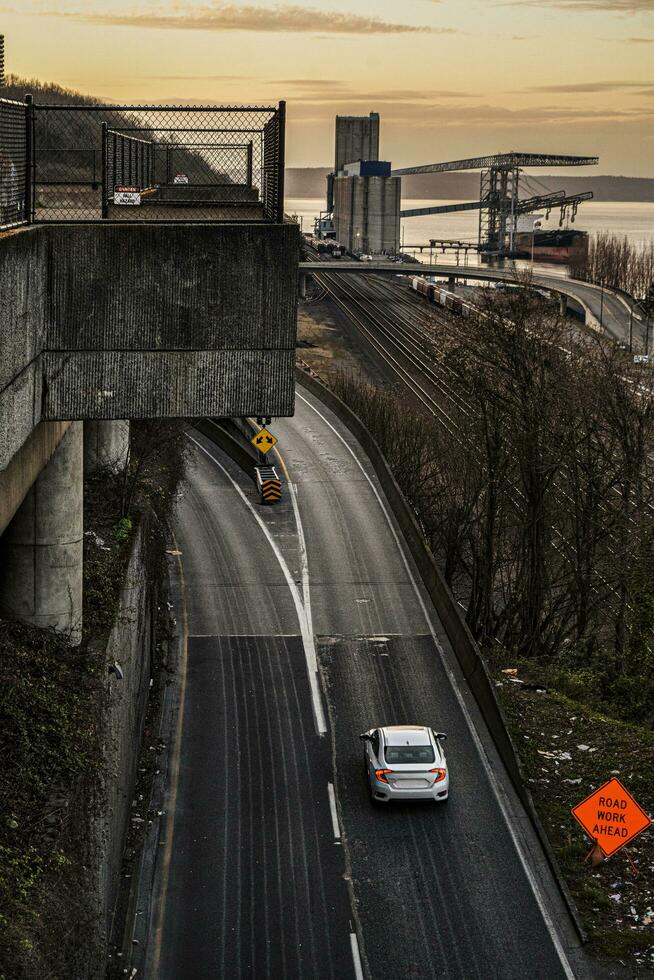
pixel 402 348
pixel 405 330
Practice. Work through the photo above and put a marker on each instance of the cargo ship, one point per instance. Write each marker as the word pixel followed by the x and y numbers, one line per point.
pixel 561 246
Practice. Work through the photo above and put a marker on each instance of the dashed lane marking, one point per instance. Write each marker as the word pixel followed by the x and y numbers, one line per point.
pixel 356 959
pixel 332 809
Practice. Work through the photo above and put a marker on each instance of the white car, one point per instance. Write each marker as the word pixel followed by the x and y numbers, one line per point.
pixel 405 762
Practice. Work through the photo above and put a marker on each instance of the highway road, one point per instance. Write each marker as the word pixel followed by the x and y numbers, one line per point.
pixel 266 871
pixel 608 308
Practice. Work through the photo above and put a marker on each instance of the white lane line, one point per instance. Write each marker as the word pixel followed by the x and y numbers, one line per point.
pixel 535 887
pixel 304 558
pixel 303 619
pixel 356 959
pixel 332 809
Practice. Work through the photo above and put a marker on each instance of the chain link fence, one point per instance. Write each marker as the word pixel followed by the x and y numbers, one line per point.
pixel 13 164
pixel 163 163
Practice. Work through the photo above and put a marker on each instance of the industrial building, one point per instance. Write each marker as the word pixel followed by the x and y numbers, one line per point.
pixel 357 138
pixel 363 198
pixel 367 208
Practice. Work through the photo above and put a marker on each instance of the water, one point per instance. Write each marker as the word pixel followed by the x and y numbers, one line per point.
pixel 633 219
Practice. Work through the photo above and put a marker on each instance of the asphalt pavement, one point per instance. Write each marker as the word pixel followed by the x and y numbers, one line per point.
pixel 253 884
pixel 260 876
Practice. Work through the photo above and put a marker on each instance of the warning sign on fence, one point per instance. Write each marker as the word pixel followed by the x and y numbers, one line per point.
pixel 127 195
pixel 611 817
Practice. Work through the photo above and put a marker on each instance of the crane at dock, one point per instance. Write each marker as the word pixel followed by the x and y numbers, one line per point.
pixel 500 203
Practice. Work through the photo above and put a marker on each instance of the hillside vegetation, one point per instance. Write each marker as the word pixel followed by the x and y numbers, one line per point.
pixel 77 135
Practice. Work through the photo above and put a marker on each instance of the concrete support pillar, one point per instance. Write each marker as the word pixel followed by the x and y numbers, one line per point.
pixel 451 284
pixel 41 550
pixel 563 304
pixel 105 446
pixel 303 285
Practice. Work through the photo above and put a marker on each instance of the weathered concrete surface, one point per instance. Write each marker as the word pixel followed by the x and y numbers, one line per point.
pixel 124 321
pixel 106 446
pixel 130 644
pixel 174 384
pixel 41 550
pixel 173 287
pixel 25 465
pixel 24 293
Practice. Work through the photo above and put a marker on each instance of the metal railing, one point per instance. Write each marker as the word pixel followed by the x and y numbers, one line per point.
pixel 63 163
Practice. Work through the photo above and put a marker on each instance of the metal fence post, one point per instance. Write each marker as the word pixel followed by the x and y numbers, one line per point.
pixel 105 176
pixel 29 159
pixel 249 164
pixel 281 159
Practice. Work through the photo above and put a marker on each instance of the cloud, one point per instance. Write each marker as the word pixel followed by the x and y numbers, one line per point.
pixel 614 6
pixel 243 17
pixel 196 78
pixel 636 40
pixel 338 92
pixel 421 115
pixel 591 87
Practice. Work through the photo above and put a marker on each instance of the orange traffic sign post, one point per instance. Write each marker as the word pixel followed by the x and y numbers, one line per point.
pixel 611 817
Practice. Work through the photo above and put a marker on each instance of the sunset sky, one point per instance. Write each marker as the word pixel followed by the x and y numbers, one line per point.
pixel 451 78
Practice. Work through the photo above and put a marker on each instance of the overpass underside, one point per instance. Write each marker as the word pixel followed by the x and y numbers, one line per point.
pixel 179 304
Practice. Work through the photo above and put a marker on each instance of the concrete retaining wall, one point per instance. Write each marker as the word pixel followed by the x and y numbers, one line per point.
pixel 130 644
pixel 463 644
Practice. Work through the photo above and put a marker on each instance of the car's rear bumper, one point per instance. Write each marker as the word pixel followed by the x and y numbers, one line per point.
pixel 389 794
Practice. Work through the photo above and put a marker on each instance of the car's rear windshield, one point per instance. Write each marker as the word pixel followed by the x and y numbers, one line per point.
pixel 398 754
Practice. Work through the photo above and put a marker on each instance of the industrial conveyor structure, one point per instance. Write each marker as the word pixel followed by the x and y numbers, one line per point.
pixel 499 201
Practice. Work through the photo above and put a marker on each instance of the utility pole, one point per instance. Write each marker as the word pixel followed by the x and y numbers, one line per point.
pixel 602 306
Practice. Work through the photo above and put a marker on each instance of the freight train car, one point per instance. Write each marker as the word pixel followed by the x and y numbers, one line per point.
pixel 436 294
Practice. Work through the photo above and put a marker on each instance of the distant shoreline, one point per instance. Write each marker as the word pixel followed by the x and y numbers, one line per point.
pixel 309 182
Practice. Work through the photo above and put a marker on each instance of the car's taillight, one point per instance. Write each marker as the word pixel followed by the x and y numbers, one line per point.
pixel 440 774
pixel 380 775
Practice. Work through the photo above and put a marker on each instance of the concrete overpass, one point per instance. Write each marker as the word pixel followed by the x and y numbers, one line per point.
pixel 187 313
pixel 603 308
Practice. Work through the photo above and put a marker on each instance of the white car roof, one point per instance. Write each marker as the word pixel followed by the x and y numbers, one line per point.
pixel 406 735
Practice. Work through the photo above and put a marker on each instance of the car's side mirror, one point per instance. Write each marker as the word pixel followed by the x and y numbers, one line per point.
pixel 364 736
pixel 441 736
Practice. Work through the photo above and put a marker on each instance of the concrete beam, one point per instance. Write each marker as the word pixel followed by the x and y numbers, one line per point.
pixel 41 550
pixel 124 321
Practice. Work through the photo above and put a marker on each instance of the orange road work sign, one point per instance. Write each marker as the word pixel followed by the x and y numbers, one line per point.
pixel 611 816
